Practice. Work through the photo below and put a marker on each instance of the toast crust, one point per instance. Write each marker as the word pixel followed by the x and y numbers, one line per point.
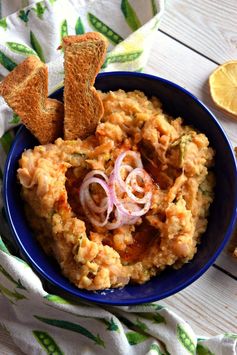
pixel 25 90
pixel 84 56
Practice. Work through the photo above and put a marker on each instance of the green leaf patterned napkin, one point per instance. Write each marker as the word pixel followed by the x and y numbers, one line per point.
pixel 43 323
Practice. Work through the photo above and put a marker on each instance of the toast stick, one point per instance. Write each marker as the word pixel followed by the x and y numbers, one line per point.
pixel 25 90
pixel 83 58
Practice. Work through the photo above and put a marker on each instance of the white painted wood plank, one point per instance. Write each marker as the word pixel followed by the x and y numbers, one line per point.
pixel 226 260
pixel 175 62
pixel 209 304
pixel 208 26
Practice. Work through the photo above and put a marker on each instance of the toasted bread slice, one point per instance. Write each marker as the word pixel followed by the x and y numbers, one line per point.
pixel 25 90
pixel 83 58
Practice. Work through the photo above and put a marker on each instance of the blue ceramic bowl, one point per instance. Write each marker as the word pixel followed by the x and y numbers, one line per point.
pixel 177 102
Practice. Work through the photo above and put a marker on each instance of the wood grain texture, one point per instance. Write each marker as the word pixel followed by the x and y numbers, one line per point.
pixel 207 26
pixel 208 305
pixel 226 259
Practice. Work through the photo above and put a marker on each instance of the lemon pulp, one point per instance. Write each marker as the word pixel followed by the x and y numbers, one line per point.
pixel 223 86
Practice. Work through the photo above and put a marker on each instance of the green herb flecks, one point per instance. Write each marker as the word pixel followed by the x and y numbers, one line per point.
pixel 79 155
pixel 3 23
pixel 185 339
pixel 204 191
pixel 130 15
pixel 39 9
pixel 135 338
pixel 79 28
pixel 206 187
pixel 7 62
pixel 121 58
pixel 24 15
pixel 47 342
pixel 10 278
pixel 182 143
pixel 15 119
pixel 185 139
pixel 20 48
pixel 72 327
pixel 101 27
pixel 36 46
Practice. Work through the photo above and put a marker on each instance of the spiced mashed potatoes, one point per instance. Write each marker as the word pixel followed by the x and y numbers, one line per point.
pixel 178 159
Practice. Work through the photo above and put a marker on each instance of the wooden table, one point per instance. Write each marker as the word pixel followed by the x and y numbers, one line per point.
pixel 194 37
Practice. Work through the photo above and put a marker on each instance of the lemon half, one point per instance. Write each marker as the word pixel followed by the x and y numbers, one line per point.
pixel 223 86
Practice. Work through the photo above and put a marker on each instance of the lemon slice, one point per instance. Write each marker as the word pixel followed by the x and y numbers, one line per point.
pixel 223 86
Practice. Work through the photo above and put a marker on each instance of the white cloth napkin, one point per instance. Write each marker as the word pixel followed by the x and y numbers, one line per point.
pixel 42 323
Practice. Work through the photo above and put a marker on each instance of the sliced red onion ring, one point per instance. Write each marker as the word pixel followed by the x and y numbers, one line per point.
pixel 96 172
pixel 120 220
pixel 119 193
pixel 118 163
pixel 90 214
pixel 120 204
pixel 128 169
pixel 91 203
pixel 135 185
pixel 138 172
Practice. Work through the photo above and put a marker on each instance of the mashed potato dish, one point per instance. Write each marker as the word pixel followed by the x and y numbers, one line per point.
pixel 125 203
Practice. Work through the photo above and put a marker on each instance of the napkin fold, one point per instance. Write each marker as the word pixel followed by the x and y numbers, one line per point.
pixel 38 321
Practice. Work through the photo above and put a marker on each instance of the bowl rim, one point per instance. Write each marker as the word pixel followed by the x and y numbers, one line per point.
pixel 139 300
